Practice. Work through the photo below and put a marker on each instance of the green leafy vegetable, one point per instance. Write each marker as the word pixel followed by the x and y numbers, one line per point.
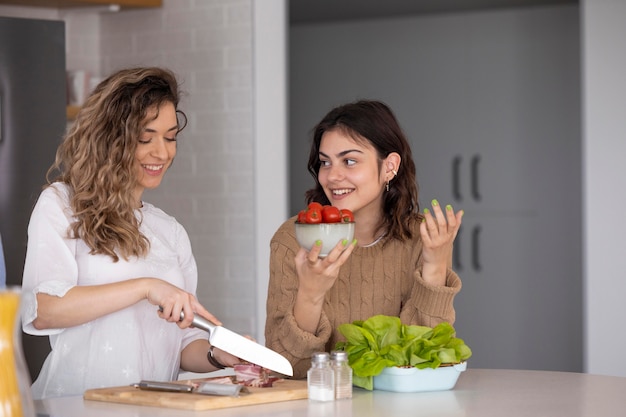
pixel 383 341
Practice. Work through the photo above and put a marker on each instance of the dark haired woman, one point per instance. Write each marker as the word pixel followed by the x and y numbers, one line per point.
pixel 400 261
pixel 100 260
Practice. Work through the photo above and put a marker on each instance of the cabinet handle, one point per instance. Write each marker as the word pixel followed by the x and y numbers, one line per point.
pixel 476 249
pixel 456 164
pixel 456 251
pixel 474 171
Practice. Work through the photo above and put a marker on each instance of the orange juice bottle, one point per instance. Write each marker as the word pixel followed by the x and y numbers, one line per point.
pixel 15 394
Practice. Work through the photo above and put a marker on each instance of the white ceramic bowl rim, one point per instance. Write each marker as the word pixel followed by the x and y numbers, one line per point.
pixel 398 379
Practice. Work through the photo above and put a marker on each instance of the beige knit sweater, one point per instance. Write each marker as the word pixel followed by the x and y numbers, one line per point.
pixel 381 279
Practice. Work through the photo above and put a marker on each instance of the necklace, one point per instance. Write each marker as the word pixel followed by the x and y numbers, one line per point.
pixel 375 240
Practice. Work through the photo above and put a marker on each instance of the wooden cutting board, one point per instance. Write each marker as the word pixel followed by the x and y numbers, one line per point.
pixel 284 390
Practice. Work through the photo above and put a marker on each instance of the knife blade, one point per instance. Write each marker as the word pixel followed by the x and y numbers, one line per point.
pixel 241 347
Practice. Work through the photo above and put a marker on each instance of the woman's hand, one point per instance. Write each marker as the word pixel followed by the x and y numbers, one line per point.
pixel 316 276
pixel 195 357
pixel 173 301
pixel 438 231
pixel 225 358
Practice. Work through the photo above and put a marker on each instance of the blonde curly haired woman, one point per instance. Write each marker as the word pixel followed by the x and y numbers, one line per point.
pixel 100 260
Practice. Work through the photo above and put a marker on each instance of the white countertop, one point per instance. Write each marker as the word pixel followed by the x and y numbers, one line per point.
pixel 478 392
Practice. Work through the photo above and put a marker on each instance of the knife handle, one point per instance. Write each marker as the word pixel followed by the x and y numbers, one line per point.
pixel 163 386
pixel 198 322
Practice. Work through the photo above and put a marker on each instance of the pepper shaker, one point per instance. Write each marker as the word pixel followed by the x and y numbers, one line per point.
pixel 343 374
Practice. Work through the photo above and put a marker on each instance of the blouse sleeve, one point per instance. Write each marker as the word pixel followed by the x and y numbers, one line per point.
pixel 50 265
pixel 189 270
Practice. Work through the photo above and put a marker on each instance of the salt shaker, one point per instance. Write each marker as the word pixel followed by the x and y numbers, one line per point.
pixel 343 374
pixel 321 378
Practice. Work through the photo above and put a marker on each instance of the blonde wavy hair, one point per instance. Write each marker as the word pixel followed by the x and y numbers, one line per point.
pixel 96 158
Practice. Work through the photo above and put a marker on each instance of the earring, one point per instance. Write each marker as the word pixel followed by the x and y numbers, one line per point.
pixel 395 174
pixel 387 186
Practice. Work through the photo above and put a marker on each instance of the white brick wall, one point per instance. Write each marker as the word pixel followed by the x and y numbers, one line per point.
pixel 210 188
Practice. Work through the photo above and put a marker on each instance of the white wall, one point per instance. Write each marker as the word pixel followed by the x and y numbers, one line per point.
pixel 270 140
pixel 227 185
pixel 604 183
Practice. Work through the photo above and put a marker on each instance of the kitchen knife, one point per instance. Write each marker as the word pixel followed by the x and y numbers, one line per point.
pixel 242 347
pixel 206 388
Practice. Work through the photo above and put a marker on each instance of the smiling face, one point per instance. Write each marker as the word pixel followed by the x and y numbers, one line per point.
pixel 156 148
pixel 350 175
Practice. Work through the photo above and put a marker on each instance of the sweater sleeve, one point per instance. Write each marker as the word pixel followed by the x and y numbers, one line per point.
pixel 282 333
pixel 429 304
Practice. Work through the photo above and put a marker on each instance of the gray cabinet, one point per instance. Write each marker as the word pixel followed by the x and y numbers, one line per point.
pixel 32 122
pixel 491 104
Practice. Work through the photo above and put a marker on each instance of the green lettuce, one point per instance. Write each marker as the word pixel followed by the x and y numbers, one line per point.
pixel 383 341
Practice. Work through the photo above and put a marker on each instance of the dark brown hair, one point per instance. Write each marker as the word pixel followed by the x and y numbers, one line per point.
pixel 374 123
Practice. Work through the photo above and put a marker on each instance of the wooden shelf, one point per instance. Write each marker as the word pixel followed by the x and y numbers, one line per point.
pixel 63 4
pixel 71 112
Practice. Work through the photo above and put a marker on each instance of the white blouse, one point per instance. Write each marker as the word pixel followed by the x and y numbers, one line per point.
pixel 120 348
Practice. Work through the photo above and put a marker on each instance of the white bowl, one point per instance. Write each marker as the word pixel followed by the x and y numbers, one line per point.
pixel 329 233
pixel 417 380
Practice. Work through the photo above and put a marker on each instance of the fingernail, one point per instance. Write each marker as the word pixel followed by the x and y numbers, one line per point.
pixel 318 243
pixel 435 203
pixel 354 242
pixel 344 242
pixel 448 207
pixel 462 213
pixel 426 211
pixel 423 219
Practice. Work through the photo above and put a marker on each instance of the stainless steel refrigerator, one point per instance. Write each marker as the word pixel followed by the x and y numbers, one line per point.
pixel 32 122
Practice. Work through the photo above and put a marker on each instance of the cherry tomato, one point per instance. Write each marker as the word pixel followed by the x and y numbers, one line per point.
pixel 331 214
pixel 313 216
pixel 346 216
pixel 314 205
pixel 302 216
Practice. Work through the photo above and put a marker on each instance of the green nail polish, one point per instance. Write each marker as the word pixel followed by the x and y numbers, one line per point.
pixel 344 242
pixel 426 211
pixel 318 243
pixel 448 207
pixel 354 242
pixel 435 203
